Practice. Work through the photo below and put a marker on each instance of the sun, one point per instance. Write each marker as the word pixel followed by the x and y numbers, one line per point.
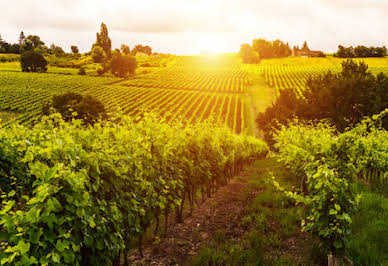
pixel 209 43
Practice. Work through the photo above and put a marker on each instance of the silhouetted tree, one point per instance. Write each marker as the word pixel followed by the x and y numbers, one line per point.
pixel 125 49
pixel 360 51
pixel 305 46
pixel 141 49
pixel 32 61
pixel 74 49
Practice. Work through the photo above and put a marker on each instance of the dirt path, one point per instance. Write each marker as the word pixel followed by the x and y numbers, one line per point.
pixel 223 211
pixel 259 96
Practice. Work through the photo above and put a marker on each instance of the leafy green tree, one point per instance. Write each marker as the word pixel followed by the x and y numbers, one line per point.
pixel 74 49
pixel 32 42
pixel 98 54
pixel 76 106
pixel 32 61
pixel 248 55
pixel 121 65
pixel 57 50
pixel 103 40
pixel 343 99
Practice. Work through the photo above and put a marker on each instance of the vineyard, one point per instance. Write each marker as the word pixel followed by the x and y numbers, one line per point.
pixel 194 89
pixel 294 72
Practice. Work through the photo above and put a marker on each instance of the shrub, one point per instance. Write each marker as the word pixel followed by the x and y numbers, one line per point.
pixel 82 71
pixel 121 65
pixel 76 106
pixel 32 61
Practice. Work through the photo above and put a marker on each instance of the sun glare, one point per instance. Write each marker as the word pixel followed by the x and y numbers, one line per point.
pixel 211 44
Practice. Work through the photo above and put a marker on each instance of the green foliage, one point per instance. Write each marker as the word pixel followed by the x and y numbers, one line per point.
pixel 268 49
pixel 360 51
pixel 368 243
pixel 32 61
pixel 248 55
pixel 31 42
pixel 103 40
pixel 122 65
pixel 92 190
pixel 359 91
pixel 74 49
pixel 98 54
pixel 328 165
pixel 76 106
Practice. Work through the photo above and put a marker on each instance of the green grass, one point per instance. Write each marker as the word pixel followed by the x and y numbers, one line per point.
pixel 270 218
pixel 368 243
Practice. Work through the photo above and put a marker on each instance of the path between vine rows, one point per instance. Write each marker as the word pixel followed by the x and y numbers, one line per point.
pixel 223 211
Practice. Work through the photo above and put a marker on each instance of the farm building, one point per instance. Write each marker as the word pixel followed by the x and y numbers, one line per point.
pixel 306 53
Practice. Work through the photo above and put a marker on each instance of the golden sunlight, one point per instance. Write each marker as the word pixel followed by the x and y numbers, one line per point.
pixel 211 43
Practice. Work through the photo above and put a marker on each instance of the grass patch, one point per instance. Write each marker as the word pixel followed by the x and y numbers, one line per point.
pixel 271 217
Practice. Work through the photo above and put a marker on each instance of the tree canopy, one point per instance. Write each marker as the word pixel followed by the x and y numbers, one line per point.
pixel 360 51
pixel 98 54
pixel 248 55
pixel 122 65
pixel 103 40
pixel 142 49
pixel 73 105
pixel 268 49
pixel 344 99
pixel 32 61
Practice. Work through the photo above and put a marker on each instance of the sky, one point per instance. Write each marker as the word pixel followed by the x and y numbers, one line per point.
pixel 192 26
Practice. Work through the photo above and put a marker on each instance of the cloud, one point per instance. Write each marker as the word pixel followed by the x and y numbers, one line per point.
pixel 324 23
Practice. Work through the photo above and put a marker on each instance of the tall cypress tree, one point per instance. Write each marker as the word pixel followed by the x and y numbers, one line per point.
pixel 103 40
pixel 305 46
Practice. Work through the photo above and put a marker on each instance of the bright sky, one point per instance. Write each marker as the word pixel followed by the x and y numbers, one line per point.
pixel 191 26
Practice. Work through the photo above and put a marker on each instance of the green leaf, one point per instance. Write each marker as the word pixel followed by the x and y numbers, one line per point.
pixel 337 207
pixel 332 212
pixel 35 236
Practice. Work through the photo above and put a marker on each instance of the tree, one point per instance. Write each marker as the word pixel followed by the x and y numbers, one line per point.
pixel 125 49
pixel 32 42
pixel 73 105
pixel 74 49
pixel 344 99
pixel 142 49
pixel 267 49
pixel 57 50
pixel 248 55
pixel 121 65
pixel 103 40
pixel 32 61
pixel 98 54
pixel 22 39
pixel 305 46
